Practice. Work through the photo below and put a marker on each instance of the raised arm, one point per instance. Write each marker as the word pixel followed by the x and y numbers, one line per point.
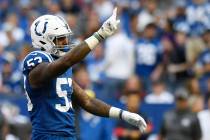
pixel 45 71
pixel 102 109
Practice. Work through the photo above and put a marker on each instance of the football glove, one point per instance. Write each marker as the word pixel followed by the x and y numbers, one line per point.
pixel 110 26
pixel 134 119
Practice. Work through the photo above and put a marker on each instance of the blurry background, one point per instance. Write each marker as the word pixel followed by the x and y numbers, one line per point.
pixel 157 65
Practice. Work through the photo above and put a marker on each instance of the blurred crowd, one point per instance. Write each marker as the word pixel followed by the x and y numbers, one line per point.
pixel 159 56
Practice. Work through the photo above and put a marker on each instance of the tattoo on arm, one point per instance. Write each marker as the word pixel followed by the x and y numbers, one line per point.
pixel 91 105
pixel 46 71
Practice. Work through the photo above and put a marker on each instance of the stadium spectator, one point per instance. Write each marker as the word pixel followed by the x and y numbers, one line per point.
pixel 118 63
pixel 12 34
pixel 159 94
pixel 202 68
pixel 198 16
pixel 133 103
pixel 148 56
pixel 180 123
pixel 16 126
pixel 178 66
pixel 10 78
pixel 149 14
pixel 134 84
pixel 194 46
pixel 180 17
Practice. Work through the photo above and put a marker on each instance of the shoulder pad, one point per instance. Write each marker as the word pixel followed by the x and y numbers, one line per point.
pixel 33 59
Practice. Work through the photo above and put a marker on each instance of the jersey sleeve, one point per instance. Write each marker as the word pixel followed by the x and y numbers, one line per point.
pixel 33 59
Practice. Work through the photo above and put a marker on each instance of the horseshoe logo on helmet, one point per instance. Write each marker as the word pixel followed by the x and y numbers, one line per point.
pixel 43 31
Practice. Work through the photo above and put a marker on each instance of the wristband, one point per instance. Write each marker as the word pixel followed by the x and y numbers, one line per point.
pixel 115 113
pixel 94 40
pixel 98 36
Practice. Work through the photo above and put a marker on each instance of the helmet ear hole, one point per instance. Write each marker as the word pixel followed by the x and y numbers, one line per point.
pixel 43 49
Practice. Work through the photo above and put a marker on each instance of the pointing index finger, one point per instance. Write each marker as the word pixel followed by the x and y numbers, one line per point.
pixel 114 14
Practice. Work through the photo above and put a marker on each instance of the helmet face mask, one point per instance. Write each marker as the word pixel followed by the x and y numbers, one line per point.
pixel 62 44
pixel 51 34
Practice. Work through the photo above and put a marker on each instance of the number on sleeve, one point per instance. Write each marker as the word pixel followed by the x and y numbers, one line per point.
pixel 31 62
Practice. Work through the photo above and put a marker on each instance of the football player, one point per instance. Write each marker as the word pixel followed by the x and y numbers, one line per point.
pixel 48 82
